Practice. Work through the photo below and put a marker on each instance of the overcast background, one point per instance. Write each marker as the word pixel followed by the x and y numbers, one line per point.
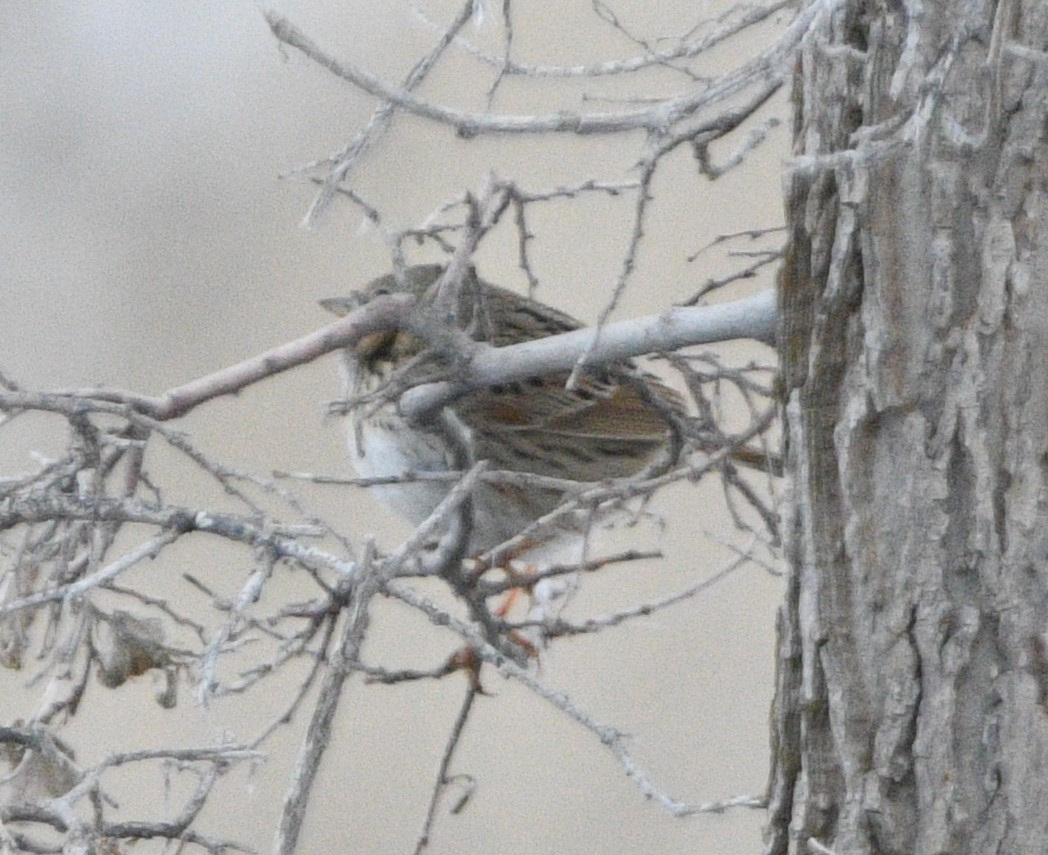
pixel 146 238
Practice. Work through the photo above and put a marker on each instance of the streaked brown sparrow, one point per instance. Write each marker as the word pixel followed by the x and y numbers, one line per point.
pixel 613 424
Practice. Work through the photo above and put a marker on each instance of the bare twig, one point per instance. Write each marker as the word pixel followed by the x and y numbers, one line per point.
pixel 149 549
pixel 380 120
pixel 559 627
pixel 454 738
pixel 377 315
pixel 695 43
pixel 655 118
pixel 318 734
pixel 615 740
pixel 30 509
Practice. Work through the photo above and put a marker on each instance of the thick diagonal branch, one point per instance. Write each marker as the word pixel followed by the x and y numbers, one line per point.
pixel 753 318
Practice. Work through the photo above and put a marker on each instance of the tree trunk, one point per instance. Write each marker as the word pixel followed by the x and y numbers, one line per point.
pixel 910 712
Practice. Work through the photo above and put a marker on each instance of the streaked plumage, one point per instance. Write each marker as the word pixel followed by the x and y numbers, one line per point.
pixel 613 425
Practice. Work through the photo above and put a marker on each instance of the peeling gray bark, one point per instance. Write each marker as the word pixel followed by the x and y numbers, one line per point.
pixel 910 712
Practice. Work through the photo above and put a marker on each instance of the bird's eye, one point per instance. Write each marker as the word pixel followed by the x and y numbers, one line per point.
pixel 381 292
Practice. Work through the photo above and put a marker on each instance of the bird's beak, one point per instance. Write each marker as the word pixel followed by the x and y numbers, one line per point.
pixel 341 306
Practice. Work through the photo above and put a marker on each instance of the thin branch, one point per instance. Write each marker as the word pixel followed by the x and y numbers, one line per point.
pixel 41 508
pixel 380 120
pixel 386 313
pixel 628 264
pixel 466 123
pixel 560 627
pixel 249 594
pixel 318 735
pixel 688 48
pixel 656 118
pixel 454 738
pixel 528 580
pixel 614 739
